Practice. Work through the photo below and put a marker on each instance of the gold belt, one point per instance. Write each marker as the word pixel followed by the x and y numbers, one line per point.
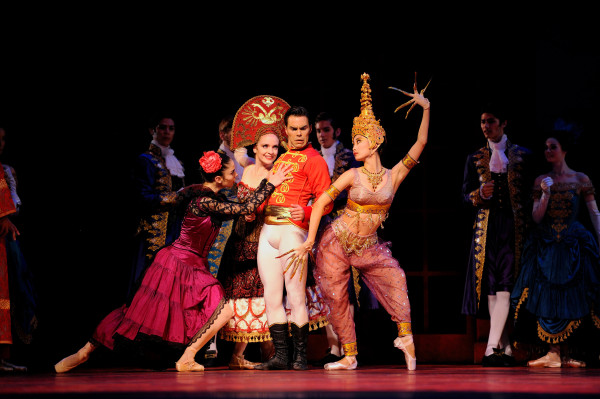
pixel 275 215
pixel 379 209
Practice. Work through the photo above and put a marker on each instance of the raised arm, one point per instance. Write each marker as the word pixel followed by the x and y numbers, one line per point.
pixel 401 169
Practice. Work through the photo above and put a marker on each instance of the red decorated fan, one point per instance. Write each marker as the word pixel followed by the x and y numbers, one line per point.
pixel 258 116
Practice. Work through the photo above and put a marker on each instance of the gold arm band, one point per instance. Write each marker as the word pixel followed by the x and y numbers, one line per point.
pixel 332 192
pixel 404 329
pixel 379 209
pixel 409 162
pixel 275 215
pixel 350 349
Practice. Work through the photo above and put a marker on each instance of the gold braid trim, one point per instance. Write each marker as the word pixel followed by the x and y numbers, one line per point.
pixel 524 295
pixel 515 167
pixel 318 323
pixel 350 349
pixel 480 240
pixel 558 337
pixel 355 279
pixel 233 336
pixel 595 319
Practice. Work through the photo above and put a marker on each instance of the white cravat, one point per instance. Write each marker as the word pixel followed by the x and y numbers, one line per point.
pixel 498 160
pixel 172 163
pixel 329 156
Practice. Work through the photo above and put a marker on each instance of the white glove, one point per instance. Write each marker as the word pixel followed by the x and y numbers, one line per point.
pixel 546 183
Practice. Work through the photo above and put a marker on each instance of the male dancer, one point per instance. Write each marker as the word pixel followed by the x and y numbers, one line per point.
pixel 281 232
pixel 495 183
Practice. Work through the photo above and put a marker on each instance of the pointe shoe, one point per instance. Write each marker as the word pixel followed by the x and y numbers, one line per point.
pixel 240 363
pixel 550 359
pixel 568 362
pixel 188 366
pixel 342 366
pixel 70 362
pixel 408 348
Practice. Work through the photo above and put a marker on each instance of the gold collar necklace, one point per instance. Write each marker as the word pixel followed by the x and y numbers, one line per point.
pixel 374 178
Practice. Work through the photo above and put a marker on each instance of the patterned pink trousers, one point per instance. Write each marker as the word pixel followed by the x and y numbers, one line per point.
pixel 379 270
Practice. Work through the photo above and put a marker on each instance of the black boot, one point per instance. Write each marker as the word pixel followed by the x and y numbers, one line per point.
pixel 300 340
pixel 279 361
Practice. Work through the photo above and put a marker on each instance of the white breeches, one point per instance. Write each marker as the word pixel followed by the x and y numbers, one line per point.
pixel 274 241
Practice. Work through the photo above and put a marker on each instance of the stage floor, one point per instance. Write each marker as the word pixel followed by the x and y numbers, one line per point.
pixel 428 381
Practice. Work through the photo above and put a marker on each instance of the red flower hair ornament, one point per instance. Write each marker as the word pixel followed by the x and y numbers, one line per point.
pixel 210 162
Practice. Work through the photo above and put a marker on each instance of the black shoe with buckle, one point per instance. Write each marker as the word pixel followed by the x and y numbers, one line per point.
pixel 493 360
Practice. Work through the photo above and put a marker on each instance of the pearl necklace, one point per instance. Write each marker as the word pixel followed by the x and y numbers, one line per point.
pixel 374 178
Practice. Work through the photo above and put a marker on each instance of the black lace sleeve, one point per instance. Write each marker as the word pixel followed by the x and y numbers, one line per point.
pixel 214 206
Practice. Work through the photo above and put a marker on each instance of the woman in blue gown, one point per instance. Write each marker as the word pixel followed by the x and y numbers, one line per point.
pixel 557 294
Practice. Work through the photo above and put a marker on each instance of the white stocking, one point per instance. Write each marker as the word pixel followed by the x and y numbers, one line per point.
pixel 295 286
pixel 499 308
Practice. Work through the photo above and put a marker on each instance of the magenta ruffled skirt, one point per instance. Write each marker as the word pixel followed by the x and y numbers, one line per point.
pixel 177 301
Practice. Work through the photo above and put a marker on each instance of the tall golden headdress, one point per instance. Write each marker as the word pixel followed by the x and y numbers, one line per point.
pixel 365 124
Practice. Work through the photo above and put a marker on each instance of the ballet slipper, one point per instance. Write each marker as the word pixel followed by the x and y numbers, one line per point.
pixel 70 362
pixel 188 366
pixel 240 363
pixel 342 366
pixel 550 359
pixel 406 345
pixel 573 363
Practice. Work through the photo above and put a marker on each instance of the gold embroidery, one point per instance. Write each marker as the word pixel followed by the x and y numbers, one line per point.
pixel 404 328
pixel 524 295
pixel 351 242
pixel 595 319
pixel 350 349
pixel 289 158
pixel 480 242
pixel 332 192
pixel 409 162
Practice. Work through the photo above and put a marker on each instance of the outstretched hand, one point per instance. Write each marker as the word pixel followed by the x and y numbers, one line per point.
pixel 282 174
pixel 417 97
pixel 299 259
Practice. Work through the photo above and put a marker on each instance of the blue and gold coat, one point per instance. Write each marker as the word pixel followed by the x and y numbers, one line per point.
pixel 477 172
pixel 157 205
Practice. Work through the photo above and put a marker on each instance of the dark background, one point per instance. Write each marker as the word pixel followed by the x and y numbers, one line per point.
pixel 76 94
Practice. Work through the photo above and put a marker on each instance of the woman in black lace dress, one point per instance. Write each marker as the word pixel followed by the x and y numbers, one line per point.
pixel 180 303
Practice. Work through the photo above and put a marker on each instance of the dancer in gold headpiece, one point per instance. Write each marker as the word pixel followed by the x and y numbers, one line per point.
pixel 351 239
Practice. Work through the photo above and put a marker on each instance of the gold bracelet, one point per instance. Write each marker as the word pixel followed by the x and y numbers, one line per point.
pixel 409 162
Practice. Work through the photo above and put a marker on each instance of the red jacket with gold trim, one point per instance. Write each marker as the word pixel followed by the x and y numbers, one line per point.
pixel 310 179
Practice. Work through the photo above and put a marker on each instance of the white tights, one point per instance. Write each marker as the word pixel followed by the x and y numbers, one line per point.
pixel 276 240
pixel 498 306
